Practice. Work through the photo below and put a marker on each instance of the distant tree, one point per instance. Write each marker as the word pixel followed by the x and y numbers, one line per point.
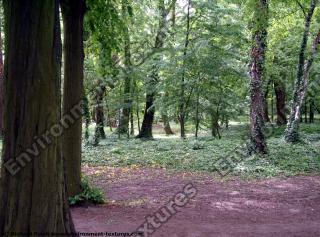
pixel 34 199
pixel 127 103
pixel 301 83
pixel 153 80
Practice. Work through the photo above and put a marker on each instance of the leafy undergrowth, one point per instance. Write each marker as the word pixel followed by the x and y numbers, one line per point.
pixel 89 195
pixel 203 154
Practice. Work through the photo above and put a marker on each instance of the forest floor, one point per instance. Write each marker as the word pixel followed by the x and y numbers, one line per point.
pixel 276 207
pixel 275 195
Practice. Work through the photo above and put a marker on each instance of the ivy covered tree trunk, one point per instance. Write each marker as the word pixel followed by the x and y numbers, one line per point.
pixel 32 195
pixel 73 14
pixel 99 130
pixel 280 92
pixel 266 105
pixel 215 125
pixel 260 24
pixel 127 103
pixel 301 83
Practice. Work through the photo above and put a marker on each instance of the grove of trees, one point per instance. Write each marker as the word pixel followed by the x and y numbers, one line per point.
pixel 191 67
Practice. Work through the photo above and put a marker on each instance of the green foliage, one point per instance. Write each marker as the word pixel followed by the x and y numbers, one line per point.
pixel 89 194
pixel 202 154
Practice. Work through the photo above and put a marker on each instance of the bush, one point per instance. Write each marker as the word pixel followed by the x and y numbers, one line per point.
pixel 89 195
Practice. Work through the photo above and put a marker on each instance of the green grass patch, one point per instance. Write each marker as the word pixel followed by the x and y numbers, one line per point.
pixel 203 154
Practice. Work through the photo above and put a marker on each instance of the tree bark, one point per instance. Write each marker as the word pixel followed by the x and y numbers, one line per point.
pixel 86 113
pixel 33 197
pixel 127 102
pixel 301 83
pixel 73 14
pixel 305 110
pixel 256 75
pixel 1 81
pixel 99 130
pixel 266 105
pixel 311 110
pixel 280 92
pixel 182 106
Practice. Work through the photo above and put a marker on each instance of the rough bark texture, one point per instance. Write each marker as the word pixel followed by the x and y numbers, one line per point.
pixel 280 92
pixel 301 83
pixel 34 199
pixel 99 130
pixel 1 82
pixel 266 105
pixel 73 14
pixel 256 75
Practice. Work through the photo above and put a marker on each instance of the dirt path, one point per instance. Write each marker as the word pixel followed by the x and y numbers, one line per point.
pixel 274 207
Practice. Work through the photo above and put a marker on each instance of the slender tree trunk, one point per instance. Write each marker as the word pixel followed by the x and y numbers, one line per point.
pixel 86 113
pixel 197 114
pixel 215 125
pixel 305 111
pixel 301 83
pixel 138 119
pixel 33 197
pixel 182 107
pixel 272 103
pixel 256 74
pixel 311 110
pixel 280 92
pixel 127 103
pixel 73 14
pixel 266 104
pixel 99 130
pixel 131 123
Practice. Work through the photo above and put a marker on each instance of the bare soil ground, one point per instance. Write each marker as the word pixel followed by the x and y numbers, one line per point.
pixel 274 207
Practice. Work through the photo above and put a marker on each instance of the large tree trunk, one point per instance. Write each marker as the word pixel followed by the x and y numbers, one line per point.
pixel 1 82
pixel 32 195
pixel 73 14
pixel 127 103
pixel 280 92
pixel 301 83
pixel 256 74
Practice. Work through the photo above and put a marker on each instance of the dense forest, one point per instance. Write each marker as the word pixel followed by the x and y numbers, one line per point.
pixel 118 115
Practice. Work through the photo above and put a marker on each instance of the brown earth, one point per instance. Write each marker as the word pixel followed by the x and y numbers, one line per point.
pixel 277 207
